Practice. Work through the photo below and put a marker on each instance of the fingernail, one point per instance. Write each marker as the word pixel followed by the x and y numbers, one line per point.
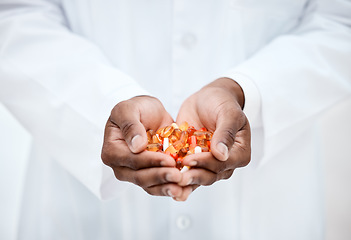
pixel 223 149
pixel 169 193
pixel 190 181
pixel 193 163
pixel 136 142
pixel 169 177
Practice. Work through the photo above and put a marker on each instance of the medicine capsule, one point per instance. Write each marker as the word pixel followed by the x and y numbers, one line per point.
pixel 200 135
pixel 154 147
pixel 149 136
pixel 178 145
pixel 179 141
pixel 179 163
pixel 183 137
pixel 177 132
pixel 156 139
pixel 182 152
pixel 171 150
pixel 167 131
pixel 191 130
pixel 184 126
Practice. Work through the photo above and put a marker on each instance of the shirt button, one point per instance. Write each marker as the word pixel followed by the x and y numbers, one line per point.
pixel 188 40
pixel 183 222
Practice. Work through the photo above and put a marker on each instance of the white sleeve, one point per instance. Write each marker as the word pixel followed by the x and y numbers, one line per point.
pixel 60 87
pixel 300 74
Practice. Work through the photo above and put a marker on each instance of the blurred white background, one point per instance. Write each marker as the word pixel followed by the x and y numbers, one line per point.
pixel 15 142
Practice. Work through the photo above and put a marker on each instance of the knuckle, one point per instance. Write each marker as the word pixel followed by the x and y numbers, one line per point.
pixel 132 164
pixel 230 134
pixel 228 174
pixel 119 174
pixel 210 181
pixel 246 160
pixel 148 191
pixel 106 154
pixel 138 180
pixel 220 167
pixel 126 127
pixel 163 176
pixel 241 119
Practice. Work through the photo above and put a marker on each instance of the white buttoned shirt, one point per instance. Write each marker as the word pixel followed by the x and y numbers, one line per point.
pixel 64 64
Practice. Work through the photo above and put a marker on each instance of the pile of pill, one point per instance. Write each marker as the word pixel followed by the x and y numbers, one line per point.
pixel 179 141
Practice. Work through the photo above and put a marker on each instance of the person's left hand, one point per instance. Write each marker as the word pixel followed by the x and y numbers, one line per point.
pixel 218 107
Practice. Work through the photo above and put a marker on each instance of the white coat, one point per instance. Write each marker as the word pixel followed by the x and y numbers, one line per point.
pixel 64 64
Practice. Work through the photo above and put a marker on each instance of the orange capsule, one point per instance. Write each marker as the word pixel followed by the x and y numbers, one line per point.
pixel 203 129
pixel 192 142
pixel 209 135
pixel 177 132
pixel 154 147
pixel 178 145
pixel 160 130
pixel 205 149
pixel 149 136
pixel 156 139
pixel 201 142
pixel 183 152
pixel 172 139
pixel 171 150
pixel 183 137
pixel 184 126
pixel 199 135
pixel 209 145
pixel 179 163
pixel 167 131
pixel 174 156
pixel 190 131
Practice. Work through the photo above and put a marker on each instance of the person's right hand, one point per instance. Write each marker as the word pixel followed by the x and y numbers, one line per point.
pixel 125 141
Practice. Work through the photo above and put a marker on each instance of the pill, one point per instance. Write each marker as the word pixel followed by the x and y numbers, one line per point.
pixel 179 142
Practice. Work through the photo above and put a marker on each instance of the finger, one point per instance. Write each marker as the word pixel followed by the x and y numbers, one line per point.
pixel 117 154
pixel 169 189
pixel 239 156
pixel 229 122
pixel 126 115
pixel 206 160
pixel 200 176
pixel 184 194
pixel 148 177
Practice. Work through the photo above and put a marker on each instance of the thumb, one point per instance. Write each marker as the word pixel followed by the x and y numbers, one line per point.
pixel 223 139
pixel 127 117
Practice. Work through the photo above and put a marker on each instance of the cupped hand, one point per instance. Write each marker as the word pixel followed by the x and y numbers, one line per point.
pixel 218 107
pixel 125 141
